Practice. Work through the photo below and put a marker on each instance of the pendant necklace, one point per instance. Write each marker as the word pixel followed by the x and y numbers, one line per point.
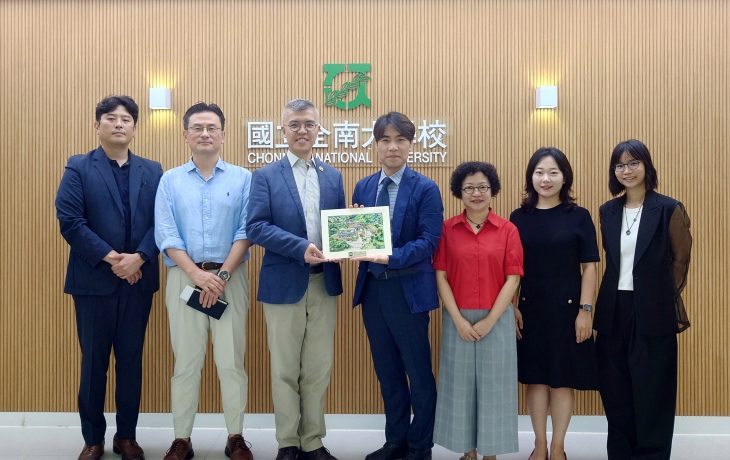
pixel 478 225
pixel 628 230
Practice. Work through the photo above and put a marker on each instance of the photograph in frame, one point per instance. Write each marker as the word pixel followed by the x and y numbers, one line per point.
pixel 356 232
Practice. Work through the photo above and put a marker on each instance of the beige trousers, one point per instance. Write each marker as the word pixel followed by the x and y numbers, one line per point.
pixel 189 335
pixel 301 337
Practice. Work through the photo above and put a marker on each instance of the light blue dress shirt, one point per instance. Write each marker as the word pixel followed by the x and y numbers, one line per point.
pixel 203 218
pixel 392 188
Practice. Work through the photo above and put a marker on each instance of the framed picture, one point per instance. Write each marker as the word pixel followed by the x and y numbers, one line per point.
pixel 355 232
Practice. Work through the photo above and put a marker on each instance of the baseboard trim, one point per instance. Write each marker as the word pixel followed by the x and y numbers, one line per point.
pixel 685 425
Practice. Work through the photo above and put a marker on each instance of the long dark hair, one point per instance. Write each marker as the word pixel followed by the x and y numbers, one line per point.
pixel 566 194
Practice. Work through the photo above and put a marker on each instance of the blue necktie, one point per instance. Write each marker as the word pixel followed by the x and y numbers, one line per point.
pixel 383 199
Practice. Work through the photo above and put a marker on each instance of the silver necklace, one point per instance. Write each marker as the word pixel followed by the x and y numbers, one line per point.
pixel 628 230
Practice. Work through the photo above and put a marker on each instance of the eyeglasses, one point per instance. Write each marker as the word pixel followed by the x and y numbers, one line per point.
pixel 469 189
pixel 197 129
pixel 309 126
pixel 632 165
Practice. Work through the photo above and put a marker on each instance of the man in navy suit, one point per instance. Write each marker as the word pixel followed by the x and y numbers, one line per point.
pixel 105 206
pixel 398 291
pixel 297 285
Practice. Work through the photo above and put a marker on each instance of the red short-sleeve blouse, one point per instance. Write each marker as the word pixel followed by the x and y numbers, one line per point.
pixel 476 264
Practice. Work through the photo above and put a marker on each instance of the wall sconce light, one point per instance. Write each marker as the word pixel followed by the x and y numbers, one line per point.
pixel 160 99
pixel 546 97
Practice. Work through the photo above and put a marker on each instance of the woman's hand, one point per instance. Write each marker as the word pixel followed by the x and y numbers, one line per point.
pixel 518 323
pixel 466 330
pixel 583 326
pixel 483 327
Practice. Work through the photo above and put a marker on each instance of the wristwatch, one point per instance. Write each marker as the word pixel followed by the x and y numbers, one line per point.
pixel 224 275
pixel 587 307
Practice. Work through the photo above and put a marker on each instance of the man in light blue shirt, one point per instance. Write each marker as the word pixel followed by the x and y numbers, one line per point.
pixel 200 228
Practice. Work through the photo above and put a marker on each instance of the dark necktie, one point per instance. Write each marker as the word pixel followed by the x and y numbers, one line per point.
pixel 383 199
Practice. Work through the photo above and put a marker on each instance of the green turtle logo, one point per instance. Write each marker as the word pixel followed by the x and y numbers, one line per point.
pixel 358 84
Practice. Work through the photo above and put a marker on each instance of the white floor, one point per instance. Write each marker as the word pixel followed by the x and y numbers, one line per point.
pixel 349 437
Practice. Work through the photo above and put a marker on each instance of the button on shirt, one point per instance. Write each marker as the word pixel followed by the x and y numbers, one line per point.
pixel 477 264
pixel 307 180
pixel 203 218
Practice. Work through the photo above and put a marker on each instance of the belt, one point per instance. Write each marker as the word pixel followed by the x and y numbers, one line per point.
pixel 209 265
pixel 319 268
pixel 387 274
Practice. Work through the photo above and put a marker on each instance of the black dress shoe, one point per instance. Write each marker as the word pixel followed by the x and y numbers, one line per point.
pixel 418 454
pixel 287 453
pixel 389 451
pixel 318 454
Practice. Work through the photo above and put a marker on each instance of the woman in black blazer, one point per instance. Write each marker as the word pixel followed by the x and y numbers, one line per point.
pixel 639 310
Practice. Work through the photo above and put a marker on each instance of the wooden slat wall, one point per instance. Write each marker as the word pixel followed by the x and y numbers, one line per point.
pixel 655 70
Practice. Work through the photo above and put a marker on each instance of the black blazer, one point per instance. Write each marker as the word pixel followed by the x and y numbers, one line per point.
pixel 660 265
pixel 90 212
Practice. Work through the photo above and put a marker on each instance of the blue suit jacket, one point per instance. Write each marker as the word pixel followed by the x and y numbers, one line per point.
pixel 416 226
pixel 276 222
pixel 90 211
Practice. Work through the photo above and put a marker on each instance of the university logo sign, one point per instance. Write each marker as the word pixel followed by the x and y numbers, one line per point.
pixel 351 94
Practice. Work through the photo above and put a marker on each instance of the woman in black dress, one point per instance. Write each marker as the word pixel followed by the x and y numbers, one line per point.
pixel 639 307
pixel 555 353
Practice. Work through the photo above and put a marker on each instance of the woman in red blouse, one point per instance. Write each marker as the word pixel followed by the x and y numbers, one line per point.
pixel 478 267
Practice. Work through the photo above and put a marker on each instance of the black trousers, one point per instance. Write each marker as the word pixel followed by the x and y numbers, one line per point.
pixel 402 358
pixel 119 321
pixel 638 385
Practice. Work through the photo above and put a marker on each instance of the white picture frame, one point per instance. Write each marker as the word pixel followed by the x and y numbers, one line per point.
pixel 356 232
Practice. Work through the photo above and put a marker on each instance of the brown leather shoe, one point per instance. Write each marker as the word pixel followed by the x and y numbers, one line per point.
pixel 128 448
pixel 237 449
pixel 92 452
pixel 181 449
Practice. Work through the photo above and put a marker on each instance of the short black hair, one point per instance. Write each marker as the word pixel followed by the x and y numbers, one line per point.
pixel 531 195
pixel 200 107
pixel 398 121
pixel 637 150
pixel 110 104
pixel 470 168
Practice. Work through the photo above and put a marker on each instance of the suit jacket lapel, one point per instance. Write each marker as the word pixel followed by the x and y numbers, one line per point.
pixel 650 217
pixel 405 189
pixel 101 163
pixel 135 181
pixel 291 184
pixel 612 231
pixel 324 184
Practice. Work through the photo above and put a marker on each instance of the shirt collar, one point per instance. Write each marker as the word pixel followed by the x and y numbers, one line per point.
pixel 293 159
pixel 492 218
pixel 395 177
pixel 190 165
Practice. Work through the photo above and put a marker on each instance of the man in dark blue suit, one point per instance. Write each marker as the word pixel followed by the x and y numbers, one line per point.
pixel 398 291
pixel 297 285
pixel 105 206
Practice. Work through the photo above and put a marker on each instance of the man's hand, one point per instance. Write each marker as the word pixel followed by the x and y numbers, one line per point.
pixel 134 277
pixel 211 284
pixel 113 257
pixel 127 265
pixel 378 259
pixel 313 255
pixel 207 299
